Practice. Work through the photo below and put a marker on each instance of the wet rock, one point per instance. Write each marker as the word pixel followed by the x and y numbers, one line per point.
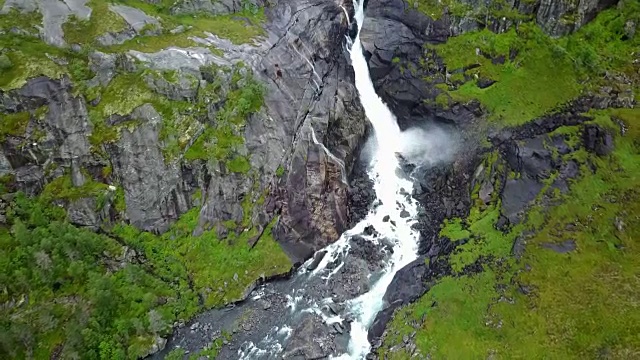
pixel 561 248
pixel 407 286
pixel 361 194
pixel 367 250
pixel 405 165
pixel 370 230
pixel 316 260
pixel 386 218
pixel 335 308
pixel 353 279
pixel 310 340
pixel 404 214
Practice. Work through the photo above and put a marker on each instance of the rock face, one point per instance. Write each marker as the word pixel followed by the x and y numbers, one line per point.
pixel 309 130
pixel 310 340
pixel 394 29
pixel 311 93
pixel 54 14
pixel 563 17
pixel 154 191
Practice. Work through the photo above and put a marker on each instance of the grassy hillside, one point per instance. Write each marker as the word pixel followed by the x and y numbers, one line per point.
pixel 572 292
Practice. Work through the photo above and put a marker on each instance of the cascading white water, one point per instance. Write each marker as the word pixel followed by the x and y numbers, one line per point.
pixel 393 215
pixel 390 189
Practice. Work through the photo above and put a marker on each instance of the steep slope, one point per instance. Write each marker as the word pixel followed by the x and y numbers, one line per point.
pixel 528 240
pixel 161 147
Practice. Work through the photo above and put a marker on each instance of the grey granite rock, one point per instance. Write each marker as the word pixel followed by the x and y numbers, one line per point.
pixel 136 18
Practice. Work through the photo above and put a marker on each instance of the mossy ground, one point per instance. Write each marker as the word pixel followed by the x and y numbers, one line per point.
pixel 226 26
pixel 535 73
pixel 575 305
pixel 211 263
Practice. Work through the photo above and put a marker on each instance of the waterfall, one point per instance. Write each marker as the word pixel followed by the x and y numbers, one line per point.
pixel 390 189
pixel 393 215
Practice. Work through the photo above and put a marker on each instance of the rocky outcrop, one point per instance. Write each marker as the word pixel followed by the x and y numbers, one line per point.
pixel 154 191
pixel 54 14
pixel 311 99
pixel 563 17
pixel 309 130
pixel 310 340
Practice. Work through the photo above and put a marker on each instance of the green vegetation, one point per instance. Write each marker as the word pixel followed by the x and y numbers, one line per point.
pixel 207 353
pixel 544 73
pixel 575 305
pixel 14 124
pixel 101 21
pixel 232 27
pixel 28 62
pixel 62 188
pixel 213 265
pixel 222 140
pixel 66 290
pixel 71 292
pixel 436 8
pixel 86 296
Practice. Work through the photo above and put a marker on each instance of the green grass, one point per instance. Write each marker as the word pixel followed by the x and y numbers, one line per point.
pixel 581 304
pixel 226 26
pixel 101 21
pixel 546 73
pixel 435 8
pixel 62 188
pixel 239 164
pixel 522 91
pixel 29 60
pixel 14 124
pixel 211 263
pixel 494 10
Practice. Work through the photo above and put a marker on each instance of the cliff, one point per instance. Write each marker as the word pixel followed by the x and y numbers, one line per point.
pixel 180 140
pixel 542 95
